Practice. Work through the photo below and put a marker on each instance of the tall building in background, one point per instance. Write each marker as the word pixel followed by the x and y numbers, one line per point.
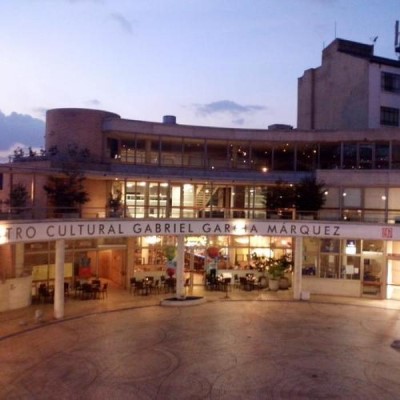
pixel 352 89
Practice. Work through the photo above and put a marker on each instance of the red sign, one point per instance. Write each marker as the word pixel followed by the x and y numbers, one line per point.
pixel 387 233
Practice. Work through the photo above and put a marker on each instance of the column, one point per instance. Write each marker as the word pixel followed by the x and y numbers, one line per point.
pixel 180 268
pixel 298 258
pixel 59 280
pixel 19 259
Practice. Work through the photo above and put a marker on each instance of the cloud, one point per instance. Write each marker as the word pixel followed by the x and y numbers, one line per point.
pixel 22 129
pixel 40 112
pixel 93 103
pixel 122 22
pixel 226 107
pixel 239 121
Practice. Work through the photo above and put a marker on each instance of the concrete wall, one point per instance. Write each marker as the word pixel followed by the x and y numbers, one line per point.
pixel 15 293
pixel 83 127
pixel 336 94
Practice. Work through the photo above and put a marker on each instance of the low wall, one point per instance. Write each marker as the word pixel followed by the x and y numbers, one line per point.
pixel 15 293
pixel 334 287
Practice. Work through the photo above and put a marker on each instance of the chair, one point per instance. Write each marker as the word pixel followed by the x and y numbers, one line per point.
pixel 132 282
pixel 262 282
pixel 236 282
pixel 163 284
pixel 45 294
pixel 66 289
pixel 103 291
pixel 243 283
pixel 226 284
pixel 87 291
pixel 155 287
pixel 78 289
pixel 171 284
pixel 139 288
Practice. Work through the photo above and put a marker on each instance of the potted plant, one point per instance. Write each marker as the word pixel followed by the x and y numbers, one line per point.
pixel 276 270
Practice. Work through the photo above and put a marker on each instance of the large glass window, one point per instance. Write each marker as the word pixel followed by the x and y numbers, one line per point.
pixel 329 155
pixel 261 156
pixel 128 151
pixel 239 155
pixel 366 155
pixel 217 154
pixel 113 148
pixel 147 150
pixel 350 156
pixel 382 155
pixel 193 153
pixel 329 259
pixel 352 197
pixel 394 204
pixel 171 151
pixel 374 204
pixel 136 199
pixel 284 157
pixel 395 164
pixel 307 157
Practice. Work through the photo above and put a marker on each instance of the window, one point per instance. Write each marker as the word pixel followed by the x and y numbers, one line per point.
pixel 389 116
pixel 390 82
pixel 329 157
pixel 350 156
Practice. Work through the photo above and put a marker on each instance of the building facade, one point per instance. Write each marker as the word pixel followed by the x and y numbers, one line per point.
pixel 139 175
pixel 352 89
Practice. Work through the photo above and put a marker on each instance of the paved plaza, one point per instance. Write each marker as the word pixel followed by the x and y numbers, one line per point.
pixel 246 346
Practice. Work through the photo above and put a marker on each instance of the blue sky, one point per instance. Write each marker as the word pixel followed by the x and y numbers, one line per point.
pixel 209 62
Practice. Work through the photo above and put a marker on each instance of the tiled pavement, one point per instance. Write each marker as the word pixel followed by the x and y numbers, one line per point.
pixel 247 345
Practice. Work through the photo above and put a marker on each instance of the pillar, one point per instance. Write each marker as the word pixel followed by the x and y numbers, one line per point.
pixel 19 259
pixel 298 261
pixel 180 268
pixel 59 280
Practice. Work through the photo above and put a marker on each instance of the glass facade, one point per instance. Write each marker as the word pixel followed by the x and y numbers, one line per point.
pixel 254 155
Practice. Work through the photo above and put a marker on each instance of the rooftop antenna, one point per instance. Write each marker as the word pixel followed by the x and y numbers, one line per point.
pixel 397 39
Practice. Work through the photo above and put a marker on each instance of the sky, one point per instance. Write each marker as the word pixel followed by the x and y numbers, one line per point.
pixel 231 63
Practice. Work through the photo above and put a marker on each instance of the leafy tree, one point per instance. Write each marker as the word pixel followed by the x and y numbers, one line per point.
pixel 18 198
pixel 280 196
pixel 306 196
pixel 67 194
pixel 310 195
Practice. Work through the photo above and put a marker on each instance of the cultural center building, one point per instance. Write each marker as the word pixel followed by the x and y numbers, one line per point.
pixel 157 185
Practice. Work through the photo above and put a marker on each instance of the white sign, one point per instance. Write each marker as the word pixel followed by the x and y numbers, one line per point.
pixel 51 230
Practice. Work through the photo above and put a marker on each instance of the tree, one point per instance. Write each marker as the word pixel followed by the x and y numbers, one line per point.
pixel 18 198
pixel 114 203
pixel 67 194
pixel 279 197
pixel 310 195
pixel 306 196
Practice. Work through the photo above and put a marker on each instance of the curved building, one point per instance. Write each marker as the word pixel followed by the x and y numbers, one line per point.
pixel 153 186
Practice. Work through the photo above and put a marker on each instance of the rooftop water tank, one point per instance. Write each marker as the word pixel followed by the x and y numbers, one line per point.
pixel 169 119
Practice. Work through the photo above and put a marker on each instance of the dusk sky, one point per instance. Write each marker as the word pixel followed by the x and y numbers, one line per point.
pixel 232 63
